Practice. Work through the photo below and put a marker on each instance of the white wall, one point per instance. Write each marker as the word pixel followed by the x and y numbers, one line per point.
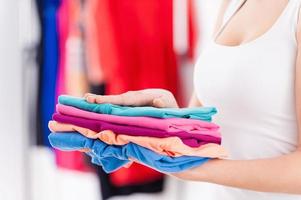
pixel 12 146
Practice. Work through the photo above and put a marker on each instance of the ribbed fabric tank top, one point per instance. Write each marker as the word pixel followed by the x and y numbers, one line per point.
pixel 252 86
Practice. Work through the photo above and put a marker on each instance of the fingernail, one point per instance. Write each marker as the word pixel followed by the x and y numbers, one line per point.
pixel 90 98
pixel 158 103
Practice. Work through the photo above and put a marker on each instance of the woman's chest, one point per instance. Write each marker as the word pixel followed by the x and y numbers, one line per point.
pixel 260 76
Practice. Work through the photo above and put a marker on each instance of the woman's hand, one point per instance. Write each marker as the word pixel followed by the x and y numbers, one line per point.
pixel 149 97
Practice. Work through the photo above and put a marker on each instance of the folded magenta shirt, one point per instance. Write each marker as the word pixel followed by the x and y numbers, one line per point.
pixel 201 113
pixel 112 157
pixel 193 140
pixel 167 124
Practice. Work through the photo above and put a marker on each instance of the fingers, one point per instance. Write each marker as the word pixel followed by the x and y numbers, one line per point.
pixel 113 99
pixel 131 98
pixel 165 101
pixel 149 97
pixel 88 94
pixel 91 98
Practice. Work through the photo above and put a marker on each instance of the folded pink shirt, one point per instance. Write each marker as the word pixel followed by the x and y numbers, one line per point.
pixel 171 146
pixel 168 124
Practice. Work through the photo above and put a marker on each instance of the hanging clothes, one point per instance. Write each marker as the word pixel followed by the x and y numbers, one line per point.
pixel 71 78
pixel 49 66
pixel 193 32
pixel 63 31
pixel 109 190
pixel 94 69
pixel 136 44
pixel 136 52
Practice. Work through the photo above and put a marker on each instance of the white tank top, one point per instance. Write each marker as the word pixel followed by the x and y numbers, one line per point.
pixel 252 86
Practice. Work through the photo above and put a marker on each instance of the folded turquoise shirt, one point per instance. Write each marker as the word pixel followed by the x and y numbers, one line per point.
pixel 201 113
pixel 112 157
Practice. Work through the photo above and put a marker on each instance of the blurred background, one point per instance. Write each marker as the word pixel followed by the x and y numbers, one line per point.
pixel 53 47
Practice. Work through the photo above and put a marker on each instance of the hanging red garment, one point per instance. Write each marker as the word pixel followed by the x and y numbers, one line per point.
pixel 192 29
pixel 136 49
pixel 136 52
pixel 134 175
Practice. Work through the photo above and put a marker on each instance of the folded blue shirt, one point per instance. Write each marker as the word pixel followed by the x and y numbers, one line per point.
pixel 113 157
pixel 201 113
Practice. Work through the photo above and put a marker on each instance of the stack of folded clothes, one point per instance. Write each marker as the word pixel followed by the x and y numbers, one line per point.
pixel 166 139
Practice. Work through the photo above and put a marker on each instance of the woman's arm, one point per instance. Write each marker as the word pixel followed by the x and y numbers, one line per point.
pixel 280 174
